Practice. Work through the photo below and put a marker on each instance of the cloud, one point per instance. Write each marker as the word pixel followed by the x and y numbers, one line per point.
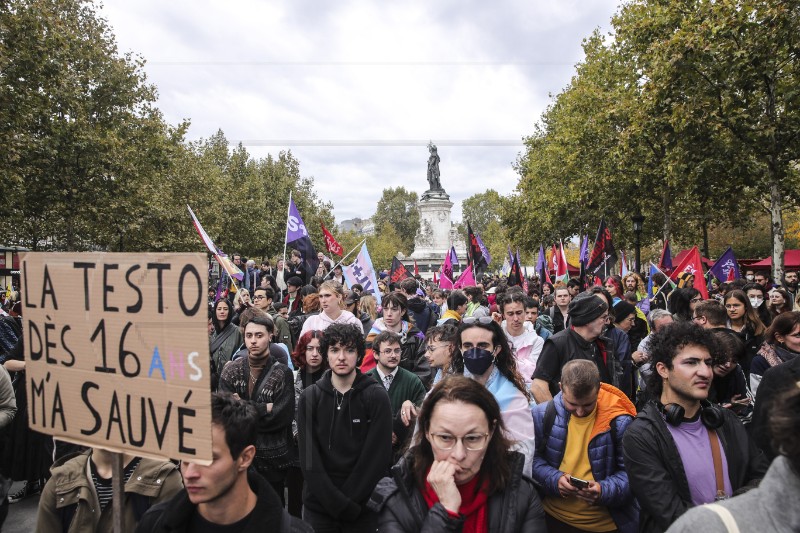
pixel 355 89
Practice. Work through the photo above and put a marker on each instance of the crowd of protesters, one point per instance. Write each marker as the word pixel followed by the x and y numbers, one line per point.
pixel 562 407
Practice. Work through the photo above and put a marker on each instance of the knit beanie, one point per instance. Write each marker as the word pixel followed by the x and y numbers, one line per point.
pixel 585 308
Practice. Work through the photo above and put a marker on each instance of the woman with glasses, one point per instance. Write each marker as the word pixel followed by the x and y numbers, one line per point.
pixel 331 301
pixel 781 344
pixel 441 352
pixel 460 475
pixel 744 321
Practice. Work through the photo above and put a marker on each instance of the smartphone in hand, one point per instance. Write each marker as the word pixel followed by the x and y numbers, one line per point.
pixel 578 483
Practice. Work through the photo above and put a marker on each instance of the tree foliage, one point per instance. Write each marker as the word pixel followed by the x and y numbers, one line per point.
pixel 689 113
pixel 89 162
pixel 397 209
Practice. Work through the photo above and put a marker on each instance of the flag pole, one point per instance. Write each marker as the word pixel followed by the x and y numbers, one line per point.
pixel 348 254
pixel 286 235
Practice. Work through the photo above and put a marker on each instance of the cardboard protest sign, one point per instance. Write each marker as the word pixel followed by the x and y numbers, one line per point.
pixel 116 351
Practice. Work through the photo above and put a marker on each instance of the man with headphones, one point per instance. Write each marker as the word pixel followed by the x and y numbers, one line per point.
pixel 682 451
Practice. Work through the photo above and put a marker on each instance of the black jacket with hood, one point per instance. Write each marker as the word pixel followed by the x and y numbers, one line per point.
pixel 655 469
pixel 345 445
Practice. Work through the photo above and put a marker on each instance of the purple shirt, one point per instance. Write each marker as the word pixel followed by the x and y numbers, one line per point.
pixel 698 463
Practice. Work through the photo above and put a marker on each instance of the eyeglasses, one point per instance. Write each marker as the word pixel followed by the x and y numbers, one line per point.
pixel 396 351
pixel 485 320
pixel 473 442
pixel 434 348
pixel 259 297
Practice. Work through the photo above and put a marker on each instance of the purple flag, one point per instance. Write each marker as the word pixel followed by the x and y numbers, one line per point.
pixel 486 256
pixel 584 254
pixel 297 238
pixel 454 256
pixel 723 266
pixel 541 264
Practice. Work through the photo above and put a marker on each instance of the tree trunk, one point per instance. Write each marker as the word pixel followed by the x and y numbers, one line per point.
pixel 704 225
pixel 776 214
pixel 665 204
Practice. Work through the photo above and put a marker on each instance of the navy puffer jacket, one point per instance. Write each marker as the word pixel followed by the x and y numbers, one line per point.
pixel 605 453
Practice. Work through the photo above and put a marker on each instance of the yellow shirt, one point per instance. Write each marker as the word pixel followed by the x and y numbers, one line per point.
pixel 575 462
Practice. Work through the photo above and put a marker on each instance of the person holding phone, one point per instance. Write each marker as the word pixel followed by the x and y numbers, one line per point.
pixel 578 458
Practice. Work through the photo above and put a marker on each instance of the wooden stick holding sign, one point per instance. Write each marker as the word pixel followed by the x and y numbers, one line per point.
pixel 122 340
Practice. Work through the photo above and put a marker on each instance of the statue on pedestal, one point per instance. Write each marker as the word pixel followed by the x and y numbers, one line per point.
pixel 433 169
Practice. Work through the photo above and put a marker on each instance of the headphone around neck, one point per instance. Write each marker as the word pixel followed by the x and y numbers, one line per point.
pixel 710 415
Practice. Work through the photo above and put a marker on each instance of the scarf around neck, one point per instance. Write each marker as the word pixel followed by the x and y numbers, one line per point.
pixel 474 504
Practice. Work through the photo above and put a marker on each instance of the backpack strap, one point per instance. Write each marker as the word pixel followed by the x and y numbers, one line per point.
pixel 725 516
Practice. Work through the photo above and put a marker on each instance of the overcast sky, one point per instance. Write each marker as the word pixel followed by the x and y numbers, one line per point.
pixel 356 89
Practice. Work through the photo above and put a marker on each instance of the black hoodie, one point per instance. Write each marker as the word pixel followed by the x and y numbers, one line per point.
pixel 345 444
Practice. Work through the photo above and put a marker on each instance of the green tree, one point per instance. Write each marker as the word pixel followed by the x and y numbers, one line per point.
pixel 482 208
pixel 80 131
pixel 398 208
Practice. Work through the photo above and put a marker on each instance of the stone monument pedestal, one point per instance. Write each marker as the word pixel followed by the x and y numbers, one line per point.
pixel 436 233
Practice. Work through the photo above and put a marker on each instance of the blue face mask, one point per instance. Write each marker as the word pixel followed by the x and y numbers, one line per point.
pixel 478 360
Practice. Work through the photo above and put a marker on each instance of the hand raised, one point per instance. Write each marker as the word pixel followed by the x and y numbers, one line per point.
pixel 442 479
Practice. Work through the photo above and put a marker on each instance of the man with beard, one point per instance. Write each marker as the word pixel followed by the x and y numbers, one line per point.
pixel 344 424
pixel 790 280
pixel 681 433
pixel 269 386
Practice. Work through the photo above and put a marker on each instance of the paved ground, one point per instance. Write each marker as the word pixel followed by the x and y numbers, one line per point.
pixel 22 515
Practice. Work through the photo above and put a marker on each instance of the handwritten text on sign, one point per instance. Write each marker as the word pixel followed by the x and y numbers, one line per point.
pixel 117 351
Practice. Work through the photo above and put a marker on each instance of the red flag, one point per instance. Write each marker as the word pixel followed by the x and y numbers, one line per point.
pixel 693 264
pixel 416 268
pixel 435 279
pixel 330 243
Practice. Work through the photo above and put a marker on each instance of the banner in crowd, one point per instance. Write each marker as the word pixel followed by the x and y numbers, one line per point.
pixel 693 264
pixel 603 257
pixel 122 340
pixel 541 265
pixel 362 272
pixel 331 245
pixel 297 238
pixel 466 279
pixel 232 270
pixel 446 278
pixel 726 268
pixel 398 272
pixel 665 261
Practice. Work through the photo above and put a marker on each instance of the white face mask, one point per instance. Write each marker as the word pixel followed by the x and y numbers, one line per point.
pixel 755 302
pixel 750 277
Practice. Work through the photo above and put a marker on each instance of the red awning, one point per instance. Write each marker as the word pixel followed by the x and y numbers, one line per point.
pixel 791 259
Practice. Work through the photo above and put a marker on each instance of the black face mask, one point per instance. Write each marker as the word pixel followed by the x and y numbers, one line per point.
pixel 478 360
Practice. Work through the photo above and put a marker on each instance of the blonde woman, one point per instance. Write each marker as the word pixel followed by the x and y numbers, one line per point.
pixel 331 300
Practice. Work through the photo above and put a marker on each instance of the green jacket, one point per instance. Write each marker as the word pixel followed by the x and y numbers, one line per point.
pixel 71 485
pixel 406 385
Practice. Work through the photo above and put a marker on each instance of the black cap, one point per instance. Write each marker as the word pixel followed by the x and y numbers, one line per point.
pixel 585 308
pixel 295 281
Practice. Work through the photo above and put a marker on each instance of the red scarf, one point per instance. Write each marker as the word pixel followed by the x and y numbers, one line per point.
pixel 473 505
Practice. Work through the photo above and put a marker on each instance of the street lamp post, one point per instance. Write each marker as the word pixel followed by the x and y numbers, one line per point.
pixel 638 223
